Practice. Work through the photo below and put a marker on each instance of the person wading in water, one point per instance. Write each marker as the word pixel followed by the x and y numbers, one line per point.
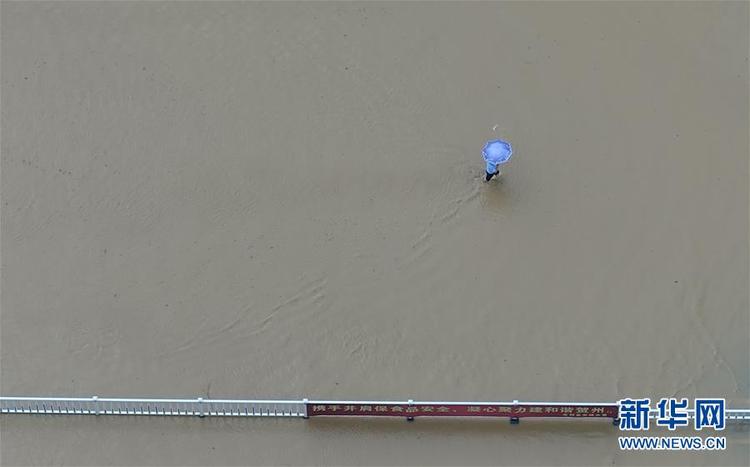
pixel 495 152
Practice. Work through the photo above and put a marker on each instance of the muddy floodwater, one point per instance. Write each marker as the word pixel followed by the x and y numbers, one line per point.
pixel 286 200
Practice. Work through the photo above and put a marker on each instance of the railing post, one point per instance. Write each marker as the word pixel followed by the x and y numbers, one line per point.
pixel 616 420
pixel 514 420
pixel 306 413
pixel 200 407
pixel 96 404
pixel 410 419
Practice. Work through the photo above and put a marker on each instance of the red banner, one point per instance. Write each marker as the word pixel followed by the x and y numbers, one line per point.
pixel 462 410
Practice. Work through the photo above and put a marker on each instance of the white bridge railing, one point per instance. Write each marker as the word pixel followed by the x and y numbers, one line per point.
pixel 186 407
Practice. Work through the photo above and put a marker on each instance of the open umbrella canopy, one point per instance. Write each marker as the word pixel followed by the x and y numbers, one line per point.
pixel 497 152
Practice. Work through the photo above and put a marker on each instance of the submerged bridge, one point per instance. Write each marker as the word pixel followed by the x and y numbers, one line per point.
pixel 305 408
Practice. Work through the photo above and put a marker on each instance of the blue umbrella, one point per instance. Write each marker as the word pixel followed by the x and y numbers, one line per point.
pixel 496 152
